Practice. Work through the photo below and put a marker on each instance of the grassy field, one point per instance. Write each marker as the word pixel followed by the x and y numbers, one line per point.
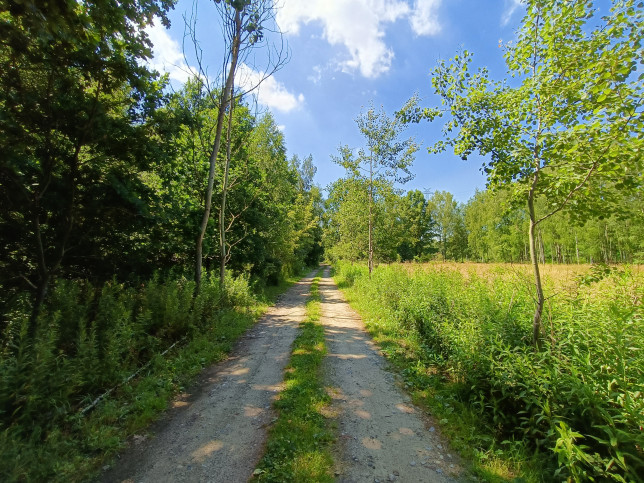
pixel 460 335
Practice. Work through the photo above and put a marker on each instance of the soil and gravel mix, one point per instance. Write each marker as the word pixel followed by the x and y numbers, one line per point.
pixel 217 432
pixel 382 436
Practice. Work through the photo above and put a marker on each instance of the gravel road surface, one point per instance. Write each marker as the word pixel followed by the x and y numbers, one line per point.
pixel 217 433
pixel 382 436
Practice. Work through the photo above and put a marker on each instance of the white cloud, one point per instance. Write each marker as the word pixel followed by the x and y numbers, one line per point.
pixel 270 93
pixel 424 17
pixel 511 6
pixel 315 79
pixel 168 57
pixel 358 25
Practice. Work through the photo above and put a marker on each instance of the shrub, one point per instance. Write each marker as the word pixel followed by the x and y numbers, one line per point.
pixel 578 403
pixel 89 340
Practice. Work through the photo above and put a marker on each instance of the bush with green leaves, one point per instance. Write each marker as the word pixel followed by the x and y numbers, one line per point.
pixel 578 402
pixel 91 340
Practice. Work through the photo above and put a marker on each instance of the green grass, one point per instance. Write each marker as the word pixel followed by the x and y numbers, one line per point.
pixel 467 433
pixel 298 447
pixel 462 343
pixel 75 446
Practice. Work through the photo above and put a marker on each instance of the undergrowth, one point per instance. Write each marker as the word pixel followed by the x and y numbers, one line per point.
pixel 56 421
pixel 298 447
pixel 571 412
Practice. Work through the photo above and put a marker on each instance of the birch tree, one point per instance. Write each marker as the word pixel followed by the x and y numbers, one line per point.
pixel 245 24
pixel 386 158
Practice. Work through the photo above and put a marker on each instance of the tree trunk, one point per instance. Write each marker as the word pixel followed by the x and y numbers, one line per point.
pixel 41 294
pixel 536 321
pixel 225 99
pixel 222 208
pixel 370 214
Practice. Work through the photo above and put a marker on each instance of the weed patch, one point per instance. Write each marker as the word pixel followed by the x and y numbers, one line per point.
pixel 573 411
pixel 54 425
pixel 298 444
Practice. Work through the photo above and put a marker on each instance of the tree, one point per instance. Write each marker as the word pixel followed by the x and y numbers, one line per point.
pixel 568 128
pixel 346 227
pixel 77 103
pixel 450 225
pixel 244 23
pixel 495 229
pixel 386 158
pixel 416 226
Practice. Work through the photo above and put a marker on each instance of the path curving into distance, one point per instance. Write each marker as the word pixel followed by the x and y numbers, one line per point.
pixel 218 432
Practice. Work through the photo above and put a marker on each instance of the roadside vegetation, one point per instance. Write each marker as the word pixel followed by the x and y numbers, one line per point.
pixel 106 363
pixel 140 221
pixel 463 343
pixel 298 447
pixel 140 224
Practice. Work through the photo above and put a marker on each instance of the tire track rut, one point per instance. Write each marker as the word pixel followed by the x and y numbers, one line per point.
pixel 382 436
pixel 217 433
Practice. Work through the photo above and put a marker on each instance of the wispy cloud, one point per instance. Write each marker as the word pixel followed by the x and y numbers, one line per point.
pixel 168 57
pixel 269 91
pixel 317 77
pixel 424 17
pixel 511 6
pixel 359 26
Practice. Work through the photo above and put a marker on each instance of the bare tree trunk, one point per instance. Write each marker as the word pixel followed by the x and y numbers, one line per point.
pixel 225 99
pixel 577 248
pixel 536 321
pixel 370 213
pixel 222 208
pixel 41 295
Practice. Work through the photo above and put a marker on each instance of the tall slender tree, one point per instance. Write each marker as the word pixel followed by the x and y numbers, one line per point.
pixel 571 129
pixel 244 23
pixel 385 158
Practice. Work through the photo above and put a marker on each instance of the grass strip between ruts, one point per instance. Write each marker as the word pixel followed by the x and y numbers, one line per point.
pixel 298 447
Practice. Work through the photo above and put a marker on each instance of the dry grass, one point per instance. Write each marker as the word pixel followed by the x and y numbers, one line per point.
pixel 559 277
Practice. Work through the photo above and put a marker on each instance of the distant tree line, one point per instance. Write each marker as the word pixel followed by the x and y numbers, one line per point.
pixel 487 228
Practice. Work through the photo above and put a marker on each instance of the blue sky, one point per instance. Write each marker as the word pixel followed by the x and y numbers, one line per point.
pixel 345 54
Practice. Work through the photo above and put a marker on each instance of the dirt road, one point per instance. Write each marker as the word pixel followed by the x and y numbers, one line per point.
pixel 217 433
pixel 382 436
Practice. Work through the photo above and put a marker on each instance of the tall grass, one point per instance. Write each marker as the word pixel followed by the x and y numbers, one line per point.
pixel 55 423
pixel 464 340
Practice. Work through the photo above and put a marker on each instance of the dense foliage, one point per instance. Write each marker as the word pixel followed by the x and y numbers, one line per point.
pixel 577 403
pixel 103 364
pixel 103 177
pixel 486 228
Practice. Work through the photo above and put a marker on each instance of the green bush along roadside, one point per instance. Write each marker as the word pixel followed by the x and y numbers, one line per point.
pixel 54 425
pixel 573 411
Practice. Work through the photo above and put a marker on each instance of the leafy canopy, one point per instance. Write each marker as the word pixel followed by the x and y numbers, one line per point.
pixel 567 123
